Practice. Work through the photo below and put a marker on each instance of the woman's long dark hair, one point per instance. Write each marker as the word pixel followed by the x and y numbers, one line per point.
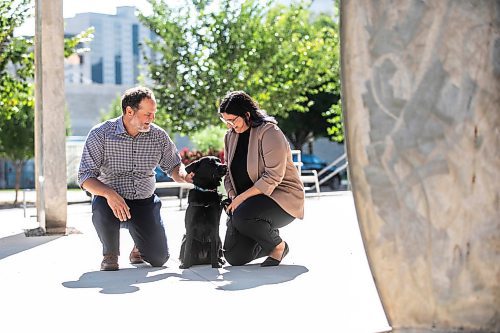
pixel 239 103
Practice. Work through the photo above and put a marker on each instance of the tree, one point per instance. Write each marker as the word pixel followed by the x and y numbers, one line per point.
pixel 115 110
pixel 304 127
pixel 16 84
pixel 15 60
pixel 209 139
pixel 281 56
pixel 322 118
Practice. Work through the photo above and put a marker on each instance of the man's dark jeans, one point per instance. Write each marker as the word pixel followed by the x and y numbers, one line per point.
pixel 145 227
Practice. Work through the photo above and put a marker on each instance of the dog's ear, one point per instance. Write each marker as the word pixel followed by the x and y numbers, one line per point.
pixel 191 167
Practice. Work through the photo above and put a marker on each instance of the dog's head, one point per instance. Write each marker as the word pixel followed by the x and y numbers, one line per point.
pixel 208 172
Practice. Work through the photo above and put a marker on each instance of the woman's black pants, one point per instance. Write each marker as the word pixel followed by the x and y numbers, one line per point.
pixel 145 227
pixel 252 230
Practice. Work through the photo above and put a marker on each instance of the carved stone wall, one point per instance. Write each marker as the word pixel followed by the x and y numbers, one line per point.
pixel 421 98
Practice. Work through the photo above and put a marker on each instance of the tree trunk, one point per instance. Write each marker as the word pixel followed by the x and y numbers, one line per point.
pixel 310 146
pixel 299 140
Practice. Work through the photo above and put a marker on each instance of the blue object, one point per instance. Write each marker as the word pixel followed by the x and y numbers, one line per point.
pixel 313 162
pixel 162 176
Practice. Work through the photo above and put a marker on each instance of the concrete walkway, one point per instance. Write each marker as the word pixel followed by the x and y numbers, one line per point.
pixel 53 283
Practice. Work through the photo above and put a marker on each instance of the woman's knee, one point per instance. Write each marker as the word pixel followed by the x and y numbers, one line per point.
pixel 241 222
pixel 235 259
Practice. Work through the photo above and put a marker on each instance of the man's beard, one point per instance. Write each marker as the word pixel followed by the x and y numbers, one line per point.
pixel 140 128
pixel 144 129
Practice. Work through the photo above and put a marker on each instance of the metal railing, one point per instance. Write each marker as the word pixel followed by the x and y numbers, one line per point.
pixel 337 170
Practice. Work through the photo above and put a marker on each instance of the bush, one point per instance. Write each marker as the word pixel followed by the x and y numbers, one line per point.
pixel 211 138
pixel 208 142
pixel 189 156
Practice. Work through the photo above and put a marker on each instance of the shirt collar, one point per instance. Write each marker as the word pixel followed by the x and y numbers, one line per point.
pixel 120 128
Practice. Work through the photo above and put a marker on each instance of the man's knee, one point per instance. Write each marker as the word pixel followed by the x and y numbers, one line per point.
pixel 157 261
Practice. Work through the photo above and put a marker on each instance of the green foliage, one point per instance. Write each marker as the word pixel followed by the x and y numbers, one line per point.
pixel 73 44
pixel 335 118
pixel 16 82
pixel 303 127
pixel 281 56
pixel 16 62
pixel 115 110
pixel 16 93
pixel 17 136
pixel 209 138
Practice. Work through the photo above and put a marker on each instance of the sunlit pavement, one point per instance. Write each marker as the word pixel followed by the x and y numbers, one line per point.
pixel 53 283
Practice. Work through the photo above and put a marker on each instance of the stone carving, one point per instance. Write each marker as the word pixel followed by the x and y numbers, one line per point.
pixel 421 96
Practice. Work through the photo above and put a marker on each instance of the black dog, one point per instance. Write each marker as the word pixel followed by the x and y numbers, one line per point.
pixel 202 244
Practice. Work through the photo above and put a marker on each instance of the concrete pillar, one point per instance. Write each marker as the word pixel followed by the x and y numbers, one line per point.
pixel 421 99
pixel 50 135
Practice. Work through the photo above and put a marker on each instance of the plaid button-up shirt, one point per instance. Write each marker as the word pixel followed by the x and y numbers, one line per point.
pixel 126 163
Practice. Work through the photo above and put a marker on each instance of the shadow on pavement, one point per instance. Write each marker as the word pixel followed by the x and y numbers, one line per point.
pixel 244 277
pixel 252 276
pixel 123 281
pixel 14 244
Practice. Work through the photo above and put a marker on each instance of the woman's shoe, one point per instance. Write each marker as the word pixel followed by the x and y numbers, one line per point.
pixel 270 261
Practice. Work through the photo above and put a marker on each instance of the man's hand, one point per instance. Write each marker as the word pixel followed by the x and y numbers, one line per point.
pixel 118 206
pixel 115 201
pixel 189 177
pixel 180 175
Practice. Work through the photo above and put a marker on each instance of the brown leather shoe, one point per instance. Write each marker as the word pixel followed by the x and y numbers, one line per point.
pixel 109 263
pixel 135 256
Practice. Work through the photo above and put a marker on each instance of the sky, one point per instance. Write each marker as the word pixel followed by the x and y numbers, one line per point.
pixel 72 7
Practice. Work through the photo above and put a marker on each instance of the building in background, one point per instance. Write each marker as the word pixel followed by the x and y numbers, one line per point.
pixel 115 55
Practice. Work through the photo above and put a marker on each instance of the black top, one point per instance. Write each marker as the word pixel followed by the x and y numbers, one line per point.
pixel 242 181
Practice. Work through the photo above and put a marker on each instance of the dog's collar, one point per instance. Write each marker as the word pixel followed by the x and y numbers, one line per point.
pixel 204 189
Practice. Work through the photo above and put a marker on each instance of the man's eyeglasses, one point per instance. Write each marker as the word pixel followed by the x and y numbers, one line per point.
pixel 229 122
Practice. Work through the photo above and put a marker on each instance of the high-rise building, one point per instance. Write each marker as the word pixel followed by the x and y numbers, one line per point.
pixel 116 53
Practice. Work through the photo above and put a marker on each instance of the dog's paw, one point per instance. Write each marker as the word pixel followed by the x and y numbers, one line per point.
pixel 183 266
pixel 218 265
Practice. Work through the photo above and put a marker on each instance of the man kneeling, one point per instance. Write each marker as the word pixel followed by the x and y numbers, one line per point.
pixel 117 167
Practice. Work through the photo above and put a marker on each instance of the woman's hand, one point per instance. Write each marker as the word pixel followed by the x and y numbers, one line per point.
pixel 239 199
pixel 236 201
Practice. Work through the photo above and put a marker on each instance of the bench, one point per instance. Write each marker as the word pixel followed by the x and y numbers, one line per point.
pixel 306 176
pixel 181 186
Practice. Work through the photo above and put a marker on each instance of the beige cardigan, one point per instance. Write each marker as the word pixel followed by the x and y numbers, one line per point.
pixel 269 166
